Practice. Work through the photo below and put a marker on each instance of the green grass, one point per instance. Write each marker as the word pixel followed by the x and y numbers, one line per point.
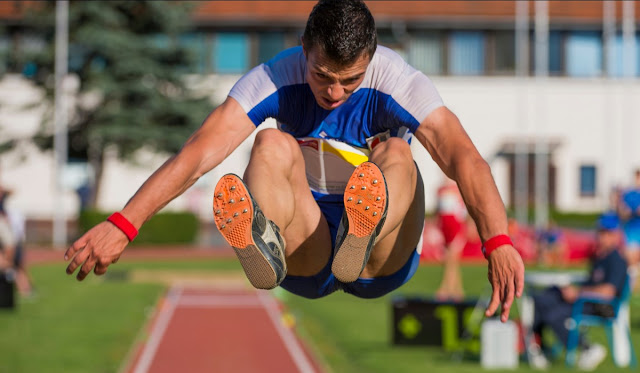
pixel 91 326
pixel 86 326
pixel 72 327
pixel 355 335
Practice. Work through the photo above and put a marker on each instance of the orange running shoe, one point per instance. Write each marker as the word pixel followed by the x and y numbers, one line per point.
pixel 255 239
pixel 365 210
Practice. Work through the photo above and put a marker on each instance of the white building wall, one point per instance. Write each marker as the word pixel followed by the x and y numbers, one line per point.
pixel 584 116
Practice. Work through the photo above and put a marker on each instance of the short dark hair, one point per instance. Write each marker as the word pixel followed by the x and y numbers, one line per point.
pixel 342 29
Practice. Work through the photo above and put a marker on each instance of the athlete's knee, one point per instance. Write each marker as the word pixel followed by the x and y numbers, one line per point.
pixel 270 138
pixel 394 148
pixel 272 144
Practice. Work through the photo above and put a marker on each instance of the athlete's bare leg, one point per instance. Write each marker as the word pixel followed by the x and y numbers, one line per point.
pixel 277 180
pixel 405 215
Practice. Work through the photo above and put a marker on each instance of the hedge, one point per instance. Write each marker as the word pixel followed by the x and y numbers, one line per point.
pixel 166 228
pixel 567 219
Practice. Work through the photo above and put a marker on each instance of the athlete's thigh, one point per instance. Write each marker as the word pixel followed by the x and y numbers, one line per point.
pixel 392 252
pixel 308 238
pixel 308 241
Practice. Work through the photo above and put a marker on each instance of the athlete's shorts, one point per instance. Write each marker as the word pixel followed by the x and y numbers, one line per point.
pixel 450 226
pixel 632 236
pixel 325 283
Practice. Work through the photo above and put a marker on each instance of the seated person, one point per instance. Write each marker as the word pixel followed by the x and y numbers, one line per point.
pixel 7 238
pixel 607 278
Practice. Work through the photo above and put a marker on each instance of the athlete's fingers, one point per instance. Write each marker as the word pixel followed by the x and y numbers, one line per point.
pixel 102 265
pixel 75 247
pixel 519 282
pixel 78 260
pixel 508 300
pixel 495 299
pixel 86 268
pixel 100 269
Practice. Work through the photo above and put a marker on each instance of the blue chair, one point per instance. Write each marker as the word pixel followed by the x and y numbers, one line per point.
pixel 579 318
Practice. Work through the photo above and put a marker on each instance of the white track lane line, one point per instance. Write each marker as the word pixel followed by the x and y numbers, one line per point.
pixel 290 341
pixel 159 328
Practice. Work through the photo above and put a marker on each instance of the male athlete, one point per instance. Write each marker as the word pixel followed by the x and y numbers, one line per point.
pixel 303 216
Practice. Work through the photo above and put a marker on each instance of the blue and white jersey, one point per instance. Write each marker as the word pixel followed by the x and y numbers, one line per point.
pixel 392 100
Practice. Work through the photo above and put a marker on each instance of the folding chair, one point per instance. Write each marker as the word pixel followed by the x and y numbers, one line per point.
pixel 620 318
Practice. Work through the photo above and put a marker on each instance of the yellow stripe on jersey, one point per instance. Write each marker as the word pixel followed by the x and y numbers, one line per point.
pixel 347 153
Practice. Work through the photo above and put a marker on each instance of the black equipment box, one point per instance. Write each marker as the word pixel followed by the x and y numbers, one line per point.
pixel 424 321
pixel 7 292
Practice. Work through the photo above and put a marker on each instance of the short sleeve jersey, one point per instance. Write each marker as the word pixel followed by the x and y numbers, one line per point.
pixel 393 97
pixel 610 269
pixel 392 100
pixel 631 199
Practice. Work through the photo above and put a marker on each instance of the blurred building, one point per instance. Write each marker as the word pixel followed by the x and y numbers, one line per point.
pixel 583 112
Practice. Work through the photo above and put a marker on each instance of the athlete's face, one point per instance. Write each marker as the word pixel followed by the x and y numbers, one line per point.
pixel 332 84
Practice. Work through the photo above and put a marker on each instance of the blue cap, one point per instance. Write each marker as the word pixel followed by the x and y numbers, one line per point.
pixel 608 221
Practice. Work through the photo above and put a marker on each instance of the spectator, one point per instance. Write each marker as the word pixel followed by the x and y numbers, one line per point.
pixel 17 225
pixel 7 238
pixel 551 245
pixel 84 193
pixel 452 215
pixel 607 278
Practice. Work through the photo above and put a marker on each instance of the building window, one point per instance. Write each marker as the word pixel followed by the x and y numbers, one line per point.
pixel 556 53
pixel 587 180
pixel 425 52
pixel 503 53
pixel 584 54
pixel 269 44
pixel 466 53
pixel 615 57
pixel 231 53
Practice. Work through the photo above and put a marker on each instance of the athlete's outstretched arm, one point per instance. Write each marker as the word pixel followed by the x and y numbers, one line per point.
pixel 221 132
pixel 443 136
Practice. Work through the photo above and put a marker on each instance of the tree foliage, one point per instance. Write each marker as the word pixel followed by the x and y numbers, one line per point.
pixel 131 72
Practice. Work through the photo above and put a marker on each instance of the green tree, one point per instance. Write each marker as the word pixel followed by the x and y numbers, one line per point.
pixel 131 72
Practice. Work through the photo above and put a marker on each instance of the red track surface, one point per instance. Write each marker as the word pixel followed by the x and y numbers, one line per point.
pixel 209 330
pixel 202 330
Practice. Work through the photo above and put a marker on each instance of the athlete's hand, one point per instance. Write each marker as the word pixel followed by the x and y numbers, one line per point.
pixel 101 246
pixel 506 275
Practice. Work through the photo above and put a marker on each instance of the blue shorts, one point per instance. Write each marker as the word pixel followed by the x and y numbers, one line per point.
pixel 325 283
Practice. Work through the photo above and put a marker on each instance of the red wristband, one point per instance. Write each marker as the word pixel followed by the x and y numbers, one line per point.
pixel 124 225
pixel 494 243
